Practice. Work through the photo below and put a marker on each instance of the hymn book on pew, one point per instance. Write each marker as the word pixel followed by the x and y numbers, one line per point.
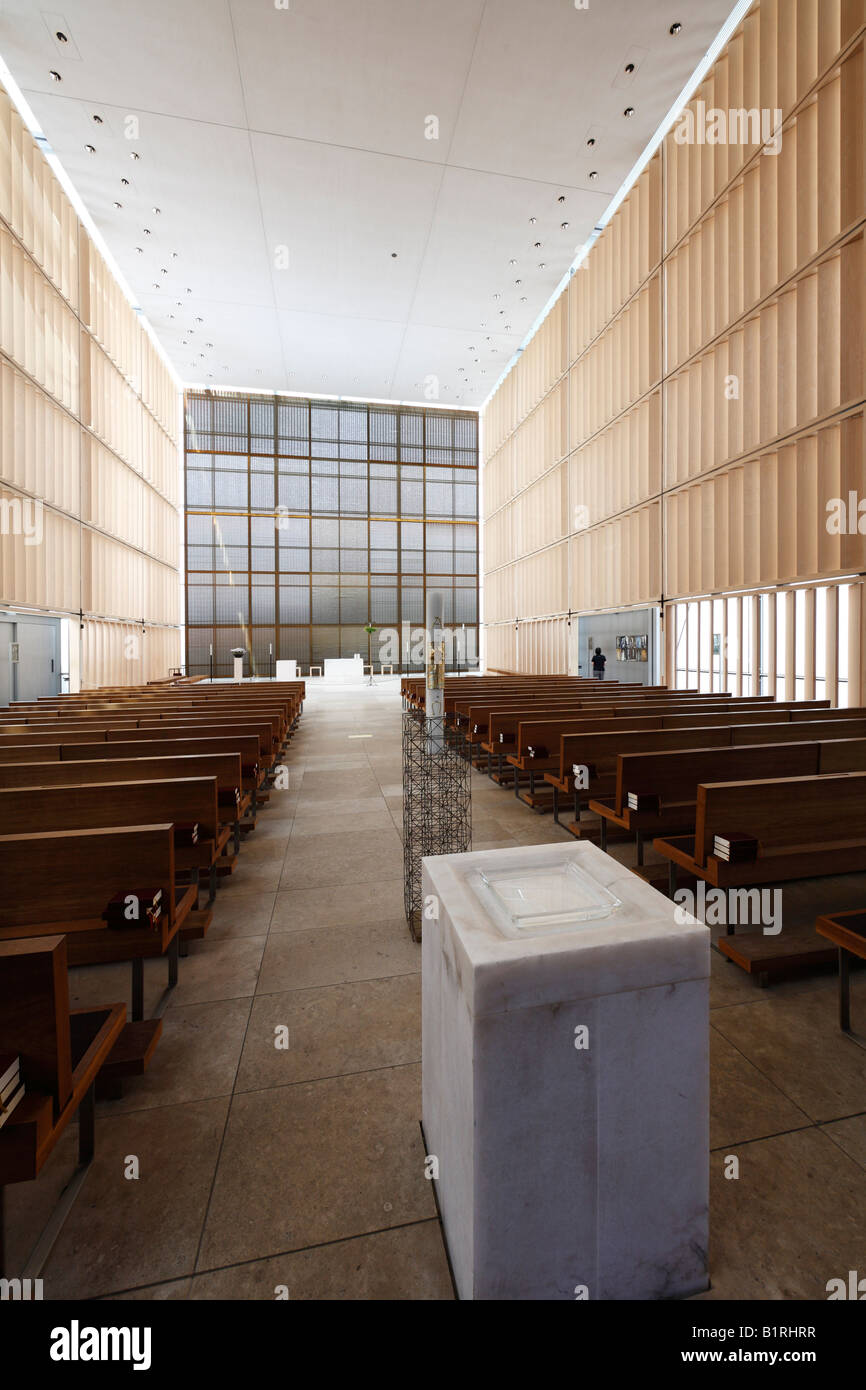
pixel 11 1085
pixel 128 909
pixel 736 847
pixel 644 801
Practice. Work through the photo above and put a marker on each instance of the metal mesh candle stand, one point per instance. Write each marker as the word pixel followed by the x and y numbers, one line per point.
pixel 436 794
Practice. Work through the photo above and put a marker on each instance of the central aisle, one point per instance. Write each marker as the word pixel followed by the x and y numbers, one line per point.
pixel 263 1166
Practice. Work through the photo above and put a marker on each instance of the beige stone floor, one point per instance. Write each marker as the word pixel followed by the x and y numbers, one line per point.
pixel 303 1167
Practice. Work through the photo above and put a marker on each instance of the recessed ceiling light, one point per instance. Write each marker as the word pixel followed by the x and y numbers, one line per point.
pixel 208 345
pixel 174 255
pixel 593 174
pixel 125 182
pixel 97 120
pixel 523 299
pixel 674 29
pixel 629 67
pixel 542 265
pixel 199 320
pixel 146 231
pixel 561 198
pixel 179 303
pixel 590 142
pixel 532 221
pixel 188 290
pixel 472 349
pixel 184 343
pixel 537 245
pixel 156 285
pixel 91 149
pixel 140 250
pixel 171 316
pixel 55 76
pixel 156 211
pixel 563 225
pixel 61 36
pixel 497 295
pixel 518 282
pixel 393 255
pixel 118 206
pixel 629 111
pixel 163 270
pixel 133 154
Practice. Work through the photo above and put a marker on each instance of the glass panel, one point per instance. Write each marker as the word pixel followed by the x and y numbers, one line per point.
pixel 821 637
pixel 781 632
pixel 281 490
pixel 842 646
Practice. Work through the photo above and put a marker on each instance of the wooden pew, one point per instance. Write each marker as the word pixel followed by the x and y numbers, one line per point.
pixel 61 881
pixel 503 723
pixel 667 781
pixel 805 827
pixel 62 1052
pixel 189 801
pixel 828 724
pixel 538 746
pixel 225 768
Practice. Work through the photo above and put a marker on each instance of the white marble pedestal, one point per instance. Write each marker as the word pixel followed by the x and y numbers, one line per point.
pixel 566 1170
pixel 287 670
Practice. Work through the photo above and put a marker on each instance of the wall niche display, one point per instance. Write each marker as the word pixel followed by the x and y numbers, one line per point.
pixel 632 648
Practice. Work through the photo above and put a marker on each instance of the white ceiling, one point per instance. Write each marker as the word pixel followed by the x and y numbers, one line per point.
pixel 303 128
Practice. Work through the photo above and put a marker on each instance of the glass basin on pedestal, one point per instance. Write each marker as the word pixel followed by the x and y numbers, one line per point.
pixel 533 901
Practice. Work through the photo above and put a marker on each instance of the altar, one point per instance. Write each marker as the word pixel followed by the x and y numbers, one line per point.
pixel 344 669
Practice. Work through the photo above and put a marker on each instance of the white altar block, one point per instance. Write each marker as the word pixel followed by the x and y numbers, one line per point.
pixel 565 1078
pixel 287 670
pixel 345 668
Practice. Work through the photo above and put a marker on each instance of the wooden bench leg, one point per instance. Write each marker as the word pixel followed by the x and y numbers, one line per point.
pixel 602 834
pixel 639 842
pixel 844 990
pixel 137 967
pixel 87 1125
pixel 672 878
pixel 556 805
pixel 212 884
pixel 172 953
pixel 237 836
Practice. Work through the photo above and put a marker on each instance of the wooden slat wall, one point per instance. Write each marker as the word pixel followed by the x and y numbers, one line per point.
pixel 708 399
pixel 89 428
